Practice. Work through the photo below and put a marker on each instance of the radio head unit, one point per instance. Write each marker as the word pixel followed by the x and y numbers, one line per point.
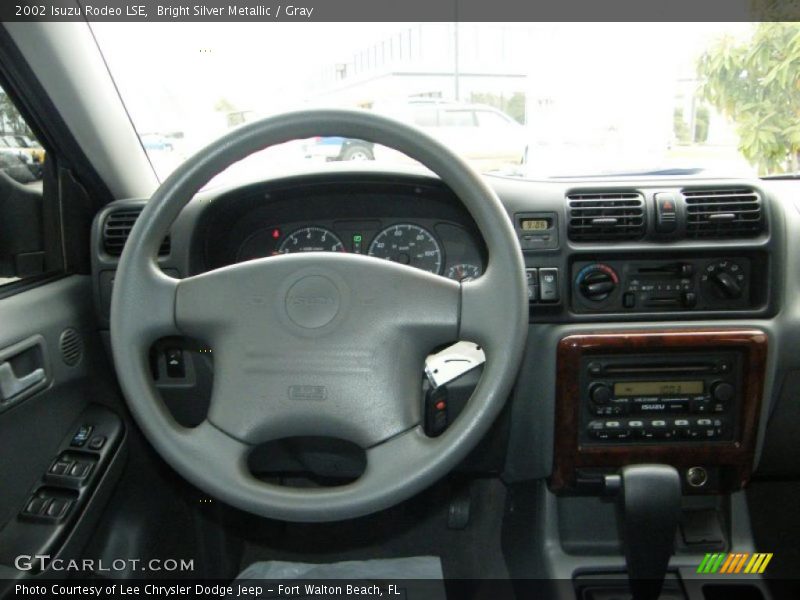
pixel 641 399
pixel 689 398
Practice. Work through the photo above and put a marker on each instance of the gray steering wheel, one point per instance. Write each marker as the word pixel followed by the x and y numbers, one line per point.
pixel 319 344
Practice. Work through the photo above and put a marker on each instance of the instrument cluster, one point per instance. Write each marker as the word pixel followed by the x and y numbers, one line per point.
pixel 437 247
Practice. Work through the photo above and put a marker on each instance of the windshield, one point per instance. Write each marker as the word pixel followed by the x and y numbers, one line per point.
pixel 529 100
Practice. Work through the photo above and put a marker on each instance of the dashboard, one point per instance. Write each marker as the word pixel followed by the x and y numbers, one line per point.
pixel 633 285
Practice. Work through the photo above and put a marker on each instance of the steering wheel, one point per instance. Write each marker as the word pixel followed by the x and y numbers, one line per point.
pixel 318 344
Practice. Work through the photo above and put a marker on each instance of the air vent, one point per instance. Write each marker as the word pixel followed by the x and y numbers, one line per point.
pixel 71 346
pixel 715 213
pixel 118 227
pixel 605 216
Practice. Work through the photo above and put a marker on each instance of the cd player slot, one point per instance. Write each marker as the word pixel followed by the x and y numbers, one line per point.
pixel 650 368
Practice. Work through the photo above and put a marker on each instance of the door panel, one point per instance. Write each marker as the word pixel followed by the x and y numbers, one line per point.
pixel 34 429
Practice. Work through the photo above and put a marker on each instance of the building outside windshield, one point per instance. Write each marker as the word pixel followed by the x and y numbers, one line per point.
pixel 527 100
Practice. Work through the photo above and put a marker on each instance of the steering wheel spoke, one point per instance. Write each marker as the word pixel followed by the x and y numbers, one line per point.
pixel 480 321
pixel 146 321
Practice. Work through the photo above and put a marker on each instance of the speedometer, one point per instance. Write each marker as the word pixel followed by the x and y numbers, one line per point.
pixel 408 244
pixel 311 239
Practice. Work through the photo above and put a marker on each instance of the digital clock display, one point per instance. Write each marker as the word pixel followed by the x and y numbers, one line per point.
pixel 534 224
pixel 657 388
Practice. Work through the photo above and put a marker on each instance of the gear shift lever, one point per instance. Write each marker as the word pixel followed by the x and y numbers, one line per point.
pixel 650 505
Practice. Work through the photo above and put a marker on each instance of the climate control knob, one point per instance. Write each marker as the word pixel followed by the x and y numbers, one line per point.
pixel 727 285
pixel 596 282
pixel 725 280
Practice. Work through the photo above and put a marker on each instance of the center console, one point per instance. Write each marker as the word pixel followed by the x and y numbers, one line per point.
pixel 685 398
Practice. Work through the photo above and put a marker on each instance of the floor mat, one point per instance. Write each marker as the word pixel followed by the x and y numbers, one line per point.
pixel 414 567
pixel 416 577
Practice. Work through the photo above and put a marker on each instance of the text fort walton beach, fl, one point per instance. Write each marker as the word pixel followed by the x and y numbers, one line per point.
pixel 173 11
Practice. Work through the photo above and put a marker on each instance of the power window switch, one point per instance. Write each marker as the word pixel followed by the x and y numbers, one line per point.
pixel 58 508
pixel 80 469
pixel 37 506
pixel 60 467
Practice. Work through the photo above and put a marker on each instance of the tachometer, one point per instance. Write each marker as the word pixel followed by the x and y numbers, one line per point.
pixel 408 244
pixel 311 239
pixel 464 272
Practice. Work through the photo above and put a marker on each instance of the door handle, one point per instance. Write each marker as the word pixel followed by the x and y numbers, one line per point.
pixel 11 385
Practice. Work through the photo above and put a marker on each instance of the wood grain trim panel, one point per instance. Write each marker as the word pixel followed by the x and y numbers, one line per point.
pixel 736 456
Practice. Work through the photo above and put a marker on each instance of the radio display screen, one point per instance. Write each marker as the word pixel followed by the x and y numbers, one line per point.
pixel 657 388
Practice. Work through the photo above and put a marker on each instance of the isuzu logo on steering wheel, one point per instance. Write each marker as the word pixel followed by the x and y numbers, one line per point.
pixel 313 301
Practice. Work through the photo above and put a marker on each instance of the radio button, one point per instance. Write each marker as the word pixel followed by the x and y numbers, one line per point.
pixel 637 428
pixel 596 429
pixel 599 393
pixel 700 405
pixel 680 405
pixel 722 391
pixel 690 433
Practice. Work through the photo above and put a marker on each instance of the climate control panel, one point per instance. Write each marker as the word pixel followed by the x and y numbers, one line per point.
pixel 710 284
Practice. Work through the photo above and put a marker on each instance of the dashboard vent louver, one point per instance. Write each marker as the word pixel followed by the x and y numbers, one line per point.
pixel 605 216
pixel 117 228
pixel 723 213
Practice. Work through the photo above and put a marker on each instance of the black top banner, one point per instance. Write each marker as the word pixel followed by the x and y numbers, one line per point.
pixel 399 10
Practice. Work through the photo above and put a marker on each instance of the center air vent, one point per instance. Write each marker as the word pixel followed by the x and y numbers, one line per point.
pixel 605 216
pixel 715 213
pixel 117 228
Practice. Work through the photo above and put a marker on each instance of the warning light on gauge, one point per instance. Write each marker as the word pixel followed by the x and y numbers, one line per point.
pixel 276 233
pixel 357 239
